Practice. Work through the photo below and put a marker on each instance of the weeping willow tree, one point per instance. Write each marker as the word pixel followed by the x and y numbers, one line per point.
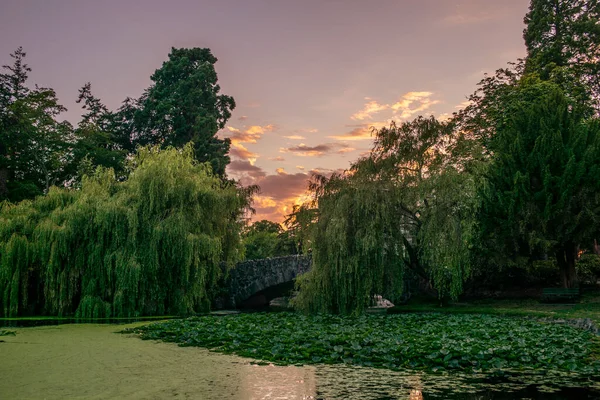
pixel 147 246
pixel 407 206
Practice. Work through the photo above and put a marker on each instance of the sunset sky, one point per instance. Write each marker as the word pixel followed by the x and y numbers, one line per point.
pixel 309 77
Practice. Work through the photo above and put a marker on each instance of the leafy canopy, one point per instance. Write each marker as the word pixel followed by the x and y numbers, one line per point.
pixel 183 104
pixel 151 245
pixel 38 150
pixel 407 206
pixel 535 123
pixel 265 239
pixel 541 193
pixel 563 44
pixel 34 145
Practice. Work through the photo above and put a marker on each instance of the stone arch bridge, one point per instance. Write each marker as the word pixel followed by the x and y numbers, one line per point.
pixel 257 277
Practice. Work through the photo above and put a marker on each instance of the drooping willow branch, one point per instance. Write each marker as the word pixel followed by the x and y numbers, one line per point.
pixel 150 245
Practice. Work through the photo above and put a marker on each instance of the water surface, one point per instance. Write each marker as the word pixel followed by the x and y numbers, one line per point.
pixel 91 361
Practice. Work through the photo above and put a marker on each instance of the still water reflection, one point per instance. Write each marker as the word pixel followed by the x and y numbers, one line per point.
pixel 341 382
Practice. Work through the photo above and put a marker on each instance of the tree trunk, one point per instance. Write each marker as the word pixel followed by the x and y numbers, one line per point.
pixel 565 257
pixel 413 260
pixel 414 264
pixel 3 182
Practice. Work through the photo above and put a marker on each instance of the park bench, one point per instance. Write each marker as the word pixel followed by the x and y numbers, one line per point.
pixel 560 295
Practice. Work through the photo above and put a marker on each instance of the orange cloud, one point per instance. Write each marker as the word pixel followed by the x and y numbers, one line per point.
pixel 412 103
pixel 346 150
pixel 279 192
pixel 372 107
pixel 295 137
pixel 361 132
pixel 408 105
pixel 274 203
pixel 238 151
pixel 250 134
pixel 245 166
pixel 245 172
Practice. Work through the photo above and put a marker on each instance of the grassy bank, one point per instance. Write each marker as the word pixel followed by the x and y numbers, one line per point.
pixel 588 307
pixel 47 320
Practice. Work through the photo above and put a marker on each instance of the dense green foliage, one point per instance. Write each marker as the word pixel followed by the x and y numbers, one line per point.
pixel 408 206
pixel 536 124
pixel 265 239
pixel 434 342
pixel 38 150
pixel 541 193
pixel 588 268
pixel 524 153
pixel 563 44
pixel 509 182
pixel 150 245
pixel 498 191
pixel 97 143
pixel 34 145
pixel 183 105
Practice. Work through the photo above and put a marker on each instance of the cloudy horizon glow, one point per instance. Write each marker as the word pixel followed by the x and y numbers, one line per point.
pixel 310 78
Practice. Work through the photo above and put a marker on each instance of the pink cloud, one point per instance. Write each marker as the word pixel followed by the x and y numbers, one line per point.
pixel 319 150
pixel 238 151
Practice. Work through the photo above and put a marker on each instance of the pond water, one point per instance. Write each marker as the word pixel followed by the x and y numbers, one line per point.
pixel 92 361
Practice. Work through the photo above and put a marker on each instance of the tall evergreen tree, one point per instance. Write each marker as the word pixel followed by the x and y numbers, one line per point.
pixel 96 138
pixel 12 87
pixel 35 145
pixel 183 104
pixel 563 43
pixel 542 189
pixel 562 39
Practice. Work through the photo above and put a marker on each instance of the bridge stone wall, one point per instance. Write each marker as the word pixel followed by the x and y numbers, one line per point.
pixel 251 277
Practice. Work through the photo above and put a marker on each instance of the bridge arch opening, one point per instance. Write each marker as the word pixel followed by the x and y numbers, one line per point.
pixel 262 299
